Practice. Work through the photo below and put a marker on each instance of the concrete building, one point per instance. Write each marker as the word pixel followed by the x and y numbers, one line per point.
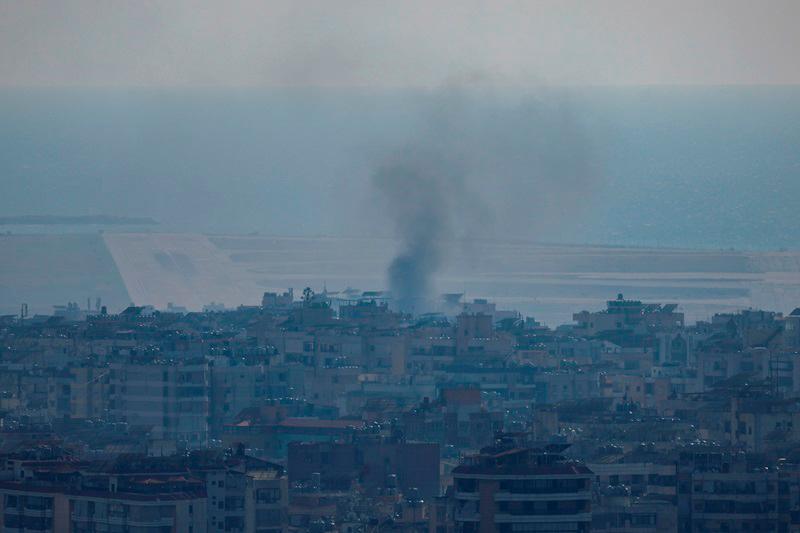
pixel 504 490
pixel 761 500
pixel 617 512
pixel 791 331
pixel 376 464
pixel 168 398
pixel 631 315
pixel 234 386
pixel 73 498
pixel 248 497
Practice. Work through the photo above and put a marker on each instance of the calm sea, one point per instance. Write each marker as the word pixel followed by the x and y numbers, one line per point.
pixel 706 167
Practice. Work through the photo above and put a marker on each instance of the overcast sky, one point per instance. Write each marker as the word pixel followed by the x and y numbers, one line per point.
pixel 396 44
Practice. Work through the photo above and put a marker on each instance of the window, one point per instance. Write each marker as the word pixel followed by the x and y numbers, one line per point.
pixel 466 485
pixel 268 495
pixel 643 520
pixel 38 503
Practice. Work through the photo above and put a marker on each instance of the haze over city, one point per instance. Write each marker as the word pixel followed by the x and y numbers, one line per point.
pixel 442 266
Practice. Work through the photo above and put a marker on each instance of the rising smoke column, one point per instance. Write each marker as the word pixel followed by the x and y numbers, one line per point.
pixel 420 190
pixel 482 160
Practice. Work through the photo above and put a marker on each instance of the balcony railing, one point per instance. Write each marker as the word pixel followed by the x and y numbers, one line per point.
pixel 538 497
pixel 542 518
pixel 467 517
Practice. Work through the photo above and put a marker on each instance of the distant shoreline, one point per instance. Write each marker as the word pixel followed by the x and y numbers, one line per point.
pixel 52 220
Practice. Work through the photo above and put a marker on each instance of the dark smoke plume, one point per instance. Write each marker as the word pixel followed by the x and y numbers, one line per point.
pixel 420 189
pixel 482 161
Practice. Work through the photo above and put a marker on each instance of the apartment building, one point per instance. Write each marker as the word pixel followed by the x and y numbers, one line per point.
pixel 169 398
pixel 522 489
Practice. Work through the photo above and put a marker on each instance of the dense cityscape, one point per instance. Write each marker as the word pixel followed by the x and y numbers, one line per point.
pixel 334 412
pixel 449 266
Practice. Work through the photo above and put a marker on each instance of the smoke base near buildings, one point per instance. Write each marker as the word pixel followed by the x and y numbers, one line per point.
pixel 479 153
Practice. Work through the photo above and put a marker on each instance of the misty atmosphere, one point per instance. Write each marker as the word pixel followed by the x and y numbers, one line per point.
pixel 352 267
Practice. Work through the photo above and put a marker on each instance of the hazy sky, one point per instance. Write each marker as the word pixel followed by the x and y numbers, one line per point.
pixel 399 43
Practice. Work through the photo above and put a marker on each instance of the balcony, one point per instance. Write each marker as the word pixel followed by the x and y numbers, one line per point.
pixel 734 497
pixel 542 518
pixel 467 516
pixel 38 511
pixel 773 515
pixel 122 520
pixel 538 497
